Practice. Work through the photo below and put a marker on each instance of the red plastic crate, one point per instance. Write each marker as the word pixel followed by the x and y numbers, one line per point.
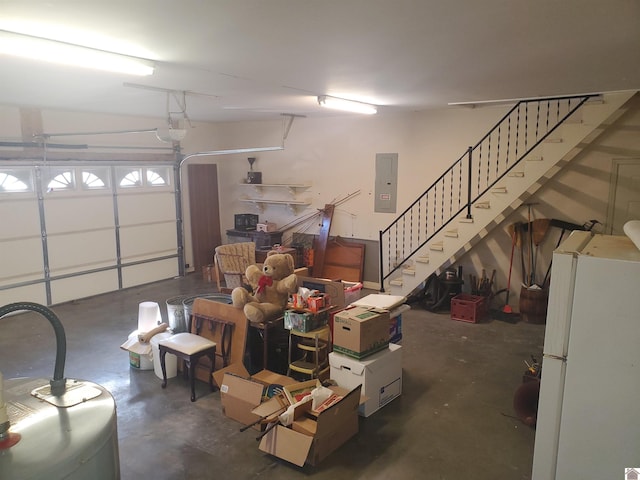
pixel 468 308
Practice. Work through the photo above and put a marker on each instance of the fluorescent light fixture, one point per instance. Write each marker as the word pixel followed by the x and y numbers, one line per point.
pixel 346 105
pixel 52 51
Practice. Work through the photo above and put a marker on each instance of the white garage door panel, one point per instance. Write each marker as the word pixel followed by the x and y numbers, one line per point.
pixel 72 214
pixel 22 216
pixel 149 272
pixel 80 251
pixel 146 208
pixel 142 241
pixel 20 259
pixel 30 293
pixel 68 289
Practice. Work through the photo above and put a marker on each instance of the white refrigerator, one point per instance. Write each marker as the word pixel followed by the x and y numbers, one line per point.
pixel 588 424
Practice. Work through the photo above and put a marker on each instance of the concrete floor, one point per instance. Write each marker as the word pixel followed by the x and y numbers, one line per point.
pixel 454 419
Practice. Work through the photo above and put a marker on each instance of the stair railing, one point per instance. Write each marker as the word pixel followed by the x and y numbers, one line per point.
pixel 478 170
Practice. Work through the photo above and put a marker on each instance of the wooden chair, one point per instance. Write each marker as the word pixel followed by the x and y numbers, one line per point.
pixel 232 260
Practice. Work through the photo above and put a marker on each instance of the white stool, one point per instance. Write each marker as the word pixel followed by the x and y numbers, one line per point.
pixel 190 348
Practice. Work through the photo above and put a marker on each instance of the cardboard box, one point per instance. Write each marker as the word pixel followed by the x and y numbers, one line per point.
pixel 241 393
pixel 266 227
pixel 313 437
pixel 239 396
pixel 380 376
pixel 352 291
pixel 295 392
pixel 360 331
pixel 340 293
pixel 395 330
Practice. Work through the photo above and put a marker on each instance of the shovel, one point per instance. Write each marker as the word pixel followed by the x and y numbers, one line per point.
pixel 539 229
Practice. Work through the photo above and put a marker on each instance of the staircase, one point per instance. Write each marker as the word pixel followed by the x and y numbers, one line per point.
pixel 527 147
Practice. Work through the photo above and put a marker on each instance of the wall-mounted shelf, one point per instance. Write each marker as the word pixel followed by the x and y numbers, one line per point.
pixel 293 189
pixel 294 205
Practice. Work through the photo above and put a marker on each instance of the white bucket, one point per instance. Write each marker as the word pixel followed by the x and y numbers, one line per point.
pixel 170 360
pixel 138 361
pixel 149 316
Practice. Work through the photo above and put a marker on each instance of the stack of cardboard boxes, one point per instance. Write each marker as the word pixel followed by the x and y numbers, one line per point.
pixel 363 353
pixel 365 375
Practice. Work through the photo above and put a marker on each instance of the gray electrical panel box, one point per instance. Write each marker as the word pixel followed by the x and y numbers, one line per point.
pixel 386 182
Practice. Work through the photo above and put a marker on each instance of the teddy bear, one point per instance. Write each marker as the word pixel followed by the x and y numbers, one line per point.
pixel 271 285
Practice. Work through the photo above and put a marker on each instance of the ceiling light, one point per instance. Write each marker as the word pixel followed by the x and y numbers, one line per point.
pixel 346 105
pixel 51 51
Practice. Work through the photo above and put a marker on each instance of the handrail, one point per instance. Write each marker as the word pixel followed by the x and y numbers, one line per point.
pixel 473 174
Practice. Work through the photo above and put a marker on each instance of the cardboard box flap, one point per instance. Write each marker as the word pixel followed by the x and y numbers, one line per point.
pixel 387 302
pixel 287 444
pixel 342 362
pixel 296 391
pixel 332 419
pixel 275 405
pixel 267 377
pixel 239 396
pixel 235 368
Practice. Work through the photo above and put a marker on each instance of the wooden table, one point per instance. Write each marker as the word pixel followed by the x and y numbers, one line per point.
pixel 265 328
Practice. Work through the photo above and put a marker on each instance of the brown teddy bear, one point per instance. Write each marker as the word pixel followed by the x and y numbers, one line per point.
pixel 271 285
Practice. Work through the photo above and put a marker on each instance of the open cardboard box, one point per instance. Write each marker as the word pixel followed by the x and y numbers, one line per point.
pixel 334 289
pixel 240 393
pixel 313 436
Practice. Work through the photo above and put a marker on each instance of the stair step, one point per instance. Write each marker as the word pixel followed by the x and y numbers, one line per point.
pixel 437 247
pixel 599 100
pixel 527 178
pixel 485 205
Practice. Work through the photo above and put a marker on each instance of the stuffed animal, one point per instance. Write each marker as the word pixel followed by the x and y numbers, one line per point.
pixel 271 285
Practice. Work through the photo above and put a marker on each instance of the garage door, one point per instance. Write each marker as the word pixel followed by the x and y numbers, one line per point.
pixel 81 230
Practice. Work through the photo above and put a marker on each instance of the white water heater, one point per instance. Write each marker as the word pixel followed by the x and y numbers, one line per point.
pixel 59 428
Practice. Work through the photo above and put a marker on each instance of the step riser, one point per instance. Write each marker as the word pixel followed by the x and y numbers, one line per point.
pixel 548 158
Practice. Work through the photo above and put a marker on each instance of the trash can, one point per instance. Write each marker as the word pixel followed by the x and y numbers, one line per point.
pixel 187 304
pixel 175 314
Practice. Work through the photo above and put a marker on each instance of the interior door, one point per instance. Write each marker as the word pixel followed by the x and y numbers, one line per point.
pixel 205 213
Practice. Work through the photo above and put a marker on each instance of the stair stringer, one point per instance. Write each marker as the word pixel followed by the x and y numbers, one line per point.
pixel 542 163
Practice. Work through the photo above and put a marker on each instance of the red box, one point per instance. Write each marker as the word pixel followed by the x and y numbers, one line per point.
pixel 468 308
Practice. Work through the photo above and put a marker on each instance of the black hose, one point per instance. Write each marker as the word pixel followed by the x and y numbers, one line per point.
pixel 59 382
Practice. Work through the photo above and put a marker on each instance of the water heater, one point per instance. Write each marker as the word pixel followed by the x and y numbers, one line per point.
pixel 58 428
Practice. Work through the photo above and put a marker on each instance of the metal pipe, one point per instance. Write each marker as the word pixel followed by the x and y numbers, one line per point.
pixel 58 382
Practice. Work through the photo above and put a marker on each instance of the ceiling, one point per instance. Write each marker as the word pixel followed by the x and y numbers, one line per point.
pixel 257 59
